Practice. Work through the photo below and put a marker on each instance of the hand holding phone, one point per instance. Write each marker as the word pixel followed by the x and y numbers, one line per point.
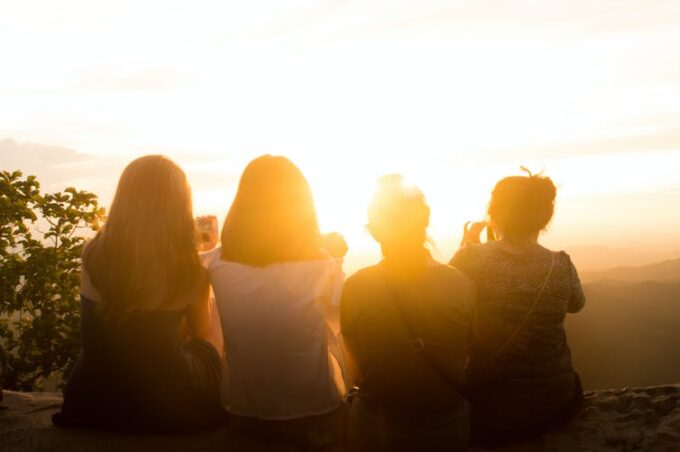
pixel 207 232
pixel 472 232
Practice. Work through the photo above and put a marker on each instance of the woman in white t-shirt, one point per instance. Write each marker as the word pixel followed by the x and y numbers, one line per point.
pixel 278 292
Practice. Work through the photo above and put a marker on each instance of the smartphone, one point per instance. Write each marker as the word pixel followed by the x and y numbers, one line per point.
pixel 206 228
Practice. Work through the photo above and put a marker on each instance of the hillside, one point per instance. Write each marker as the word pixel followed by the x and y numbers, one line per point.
pixel 594 259
pixel 668 270
pixel 627 335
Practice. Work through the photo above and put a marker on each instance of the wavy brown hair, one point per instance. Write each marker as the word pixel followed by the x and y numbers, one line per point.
pixel 272 218
pixel 145 255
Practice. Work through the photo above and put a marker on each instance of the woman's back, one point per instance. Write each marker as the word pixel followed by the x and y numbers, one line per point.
pixel 520 376
pixel 508 285
pixel 277 336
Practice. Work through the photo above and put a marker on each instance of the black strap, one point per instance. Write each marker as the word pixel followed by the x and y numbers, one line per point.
pixel 418 344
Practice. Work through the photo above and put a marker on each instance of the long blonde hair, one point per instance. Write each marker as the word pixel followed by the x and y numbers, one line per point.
pixel 272 218
pixel 145 255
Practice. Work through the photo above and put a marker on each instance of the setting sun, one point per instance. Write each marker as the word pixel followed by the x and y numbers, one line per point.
pixel 452 96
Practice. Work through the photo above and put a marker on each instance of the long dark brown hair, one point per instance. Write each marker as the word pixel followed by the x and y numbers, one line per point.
pixel 272 218
pixel 145 255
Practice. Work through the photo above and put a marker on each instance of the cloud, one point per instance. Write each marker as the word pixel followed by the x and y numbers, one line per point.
pixel 149 79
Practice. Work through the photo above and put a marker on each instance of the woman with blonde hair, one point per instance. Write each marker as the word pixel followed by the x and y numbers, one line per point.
pixel 277 291
pixel 142 285
pixel 520 373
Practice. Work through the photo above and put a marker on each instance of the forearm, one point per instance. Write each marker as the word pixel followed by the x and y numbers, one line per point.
pixel 199 315
pixel 198 324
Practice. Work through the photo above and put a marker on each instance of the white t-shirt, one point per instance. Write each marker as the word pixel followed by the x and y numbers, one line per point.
pixel 280 352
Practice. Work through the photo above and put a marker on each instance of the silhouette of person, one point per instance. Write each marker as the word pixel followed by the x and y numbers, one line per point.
pixel 141 281
pixel 405 324
pixel 277 291
pixel 520 376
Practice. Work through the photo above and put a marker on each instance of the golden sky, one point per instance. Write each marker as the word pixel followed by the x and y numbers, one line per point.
pixel 454 94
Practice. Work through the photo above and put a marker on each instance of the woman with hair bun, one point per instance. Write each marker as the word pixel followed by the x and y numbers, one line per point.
pixel 520 377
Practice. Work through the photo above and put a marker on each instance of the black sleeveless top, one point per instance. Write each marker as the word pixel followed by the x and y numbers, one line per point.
pixel 132 375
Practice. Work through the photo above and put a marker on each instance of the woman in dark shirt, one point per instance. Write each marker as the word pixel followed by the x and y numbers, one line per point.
pixel 142 284
pixel 520 373
pixel 405 324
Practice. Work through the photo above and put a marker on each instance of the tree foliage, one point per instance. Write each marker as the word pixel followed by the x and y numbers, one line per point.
pixel 41 241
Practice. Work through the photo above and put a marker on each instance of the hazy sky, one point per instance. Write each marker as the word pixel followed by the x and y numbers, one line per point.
pixel 454 94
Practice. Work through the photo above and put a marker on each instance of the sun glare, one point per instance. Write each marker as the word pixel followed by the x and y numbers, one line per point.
pixel 349 97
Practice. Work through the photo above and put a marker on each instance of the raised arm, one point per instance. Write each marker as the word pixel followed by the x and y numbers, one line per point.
pixel 335 246
pixel 472 232
pixel 201 317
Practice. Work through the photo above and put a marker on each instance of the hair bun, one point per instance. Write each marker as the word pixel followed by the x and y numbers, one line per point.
pixel 522 205
pixel 542 187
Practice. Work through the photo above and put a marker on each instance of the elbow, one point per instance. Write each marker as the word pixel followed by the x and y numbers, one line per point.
pixel 576 308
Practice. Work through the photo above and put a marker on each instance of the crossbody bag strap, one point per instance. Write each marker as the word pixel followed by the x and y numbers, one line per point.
pixel 417 343
pixel 531 310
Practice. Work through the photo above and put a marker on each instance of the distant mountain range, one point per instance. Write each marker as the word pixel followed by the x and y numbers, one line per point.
pixel 600 258
pixel 668 270
pixel 629 332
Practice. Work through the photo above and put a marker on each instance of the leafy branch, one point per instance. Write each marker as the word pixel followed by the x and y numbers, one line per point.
pixel 41 241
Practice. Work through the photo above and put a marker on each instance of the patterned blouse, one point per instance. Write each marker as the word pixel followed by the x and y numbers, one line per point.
pixel 508 285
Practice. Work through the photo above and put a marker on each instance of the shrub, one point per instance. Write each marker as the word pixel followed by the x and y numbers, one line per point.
pixel 41 241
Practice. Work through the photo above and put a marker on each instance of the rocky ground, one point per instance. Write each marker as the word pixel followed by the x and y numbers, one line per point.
pixel 644 419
